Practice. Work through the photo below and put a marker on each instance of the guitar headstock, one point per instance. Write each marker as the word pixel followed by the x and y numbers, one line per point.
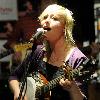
pixel 87 71
pixel 71 73
pixel 82 73
pixel 22 46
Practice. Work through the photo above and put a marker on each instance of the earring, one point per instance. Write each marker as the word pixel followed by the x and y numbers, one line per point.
pixel 64 30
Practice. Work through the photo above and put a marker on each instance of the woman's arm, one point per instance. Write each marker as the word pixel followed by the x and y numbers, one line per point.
pixel 14 85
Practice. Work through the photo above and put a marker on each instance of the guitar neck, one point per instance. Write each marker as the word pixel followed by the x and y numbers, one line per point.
pixel 53 83
pixel 49 86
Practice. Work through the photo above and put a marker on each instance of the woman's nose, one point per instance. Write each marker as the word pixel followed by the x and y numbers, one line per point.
pixel 47 21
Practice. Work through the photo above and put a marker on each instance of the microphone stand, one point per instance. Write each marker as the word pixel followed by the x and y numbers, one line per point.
pixel 26 62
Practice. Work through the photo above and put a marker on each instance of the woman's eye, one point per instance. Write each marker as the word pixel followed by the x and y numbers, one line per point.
pixel 45 17
pixel 54 18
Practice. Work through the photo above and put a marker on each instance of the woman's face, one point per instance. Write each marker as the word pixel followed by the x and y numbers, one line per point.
pixel 54 22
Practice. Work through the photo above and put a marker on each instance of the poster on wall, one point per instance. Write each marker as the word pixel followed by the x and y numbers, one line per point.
pixel 8 10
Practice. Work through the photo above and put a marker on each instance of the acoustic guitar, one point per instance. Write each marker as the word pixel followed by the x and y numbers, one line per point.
pixel 42 87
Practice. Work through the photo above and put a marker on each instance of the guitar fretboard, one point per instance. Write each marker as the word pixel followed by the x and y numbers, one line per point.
pixel 47 87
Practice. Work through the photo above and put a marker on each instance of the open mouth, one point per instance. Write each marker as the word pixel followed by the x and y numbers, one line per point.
pixel 48 29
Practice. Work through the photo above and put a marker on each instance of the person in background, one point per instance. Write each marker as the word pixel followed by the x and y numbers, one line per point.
pixel 25 26
pixel 19 32
pixel 92 52
pixel 52 58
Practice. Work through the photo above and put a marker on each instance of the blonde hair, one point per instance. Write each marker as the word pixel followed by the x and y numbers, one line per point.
pixel 68 20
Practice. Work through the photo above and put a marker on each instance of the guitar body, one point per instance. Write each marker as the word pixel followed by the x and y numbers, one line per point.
pixel 31 88
pixel 44 80
pixel 32 84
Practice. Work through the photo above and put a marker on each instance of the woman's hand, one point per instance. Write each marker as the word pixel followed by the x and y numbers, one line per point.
pixel 72 87
pixel 66 84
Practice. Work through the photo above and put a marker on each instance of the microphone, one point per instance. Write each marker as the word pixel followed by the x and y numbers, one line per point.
pixel 38 34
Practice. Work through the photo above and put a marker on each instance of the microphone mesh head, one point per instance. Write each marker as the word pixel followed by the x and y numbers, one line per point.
pixel 40 29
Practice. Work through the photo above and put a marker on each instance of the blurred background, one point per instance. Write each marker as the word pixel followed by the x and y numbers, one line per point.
pixel 19 21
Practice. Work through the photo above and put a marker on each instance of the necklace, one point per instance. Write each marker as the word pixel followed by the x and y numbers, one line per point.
pixel 60 59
